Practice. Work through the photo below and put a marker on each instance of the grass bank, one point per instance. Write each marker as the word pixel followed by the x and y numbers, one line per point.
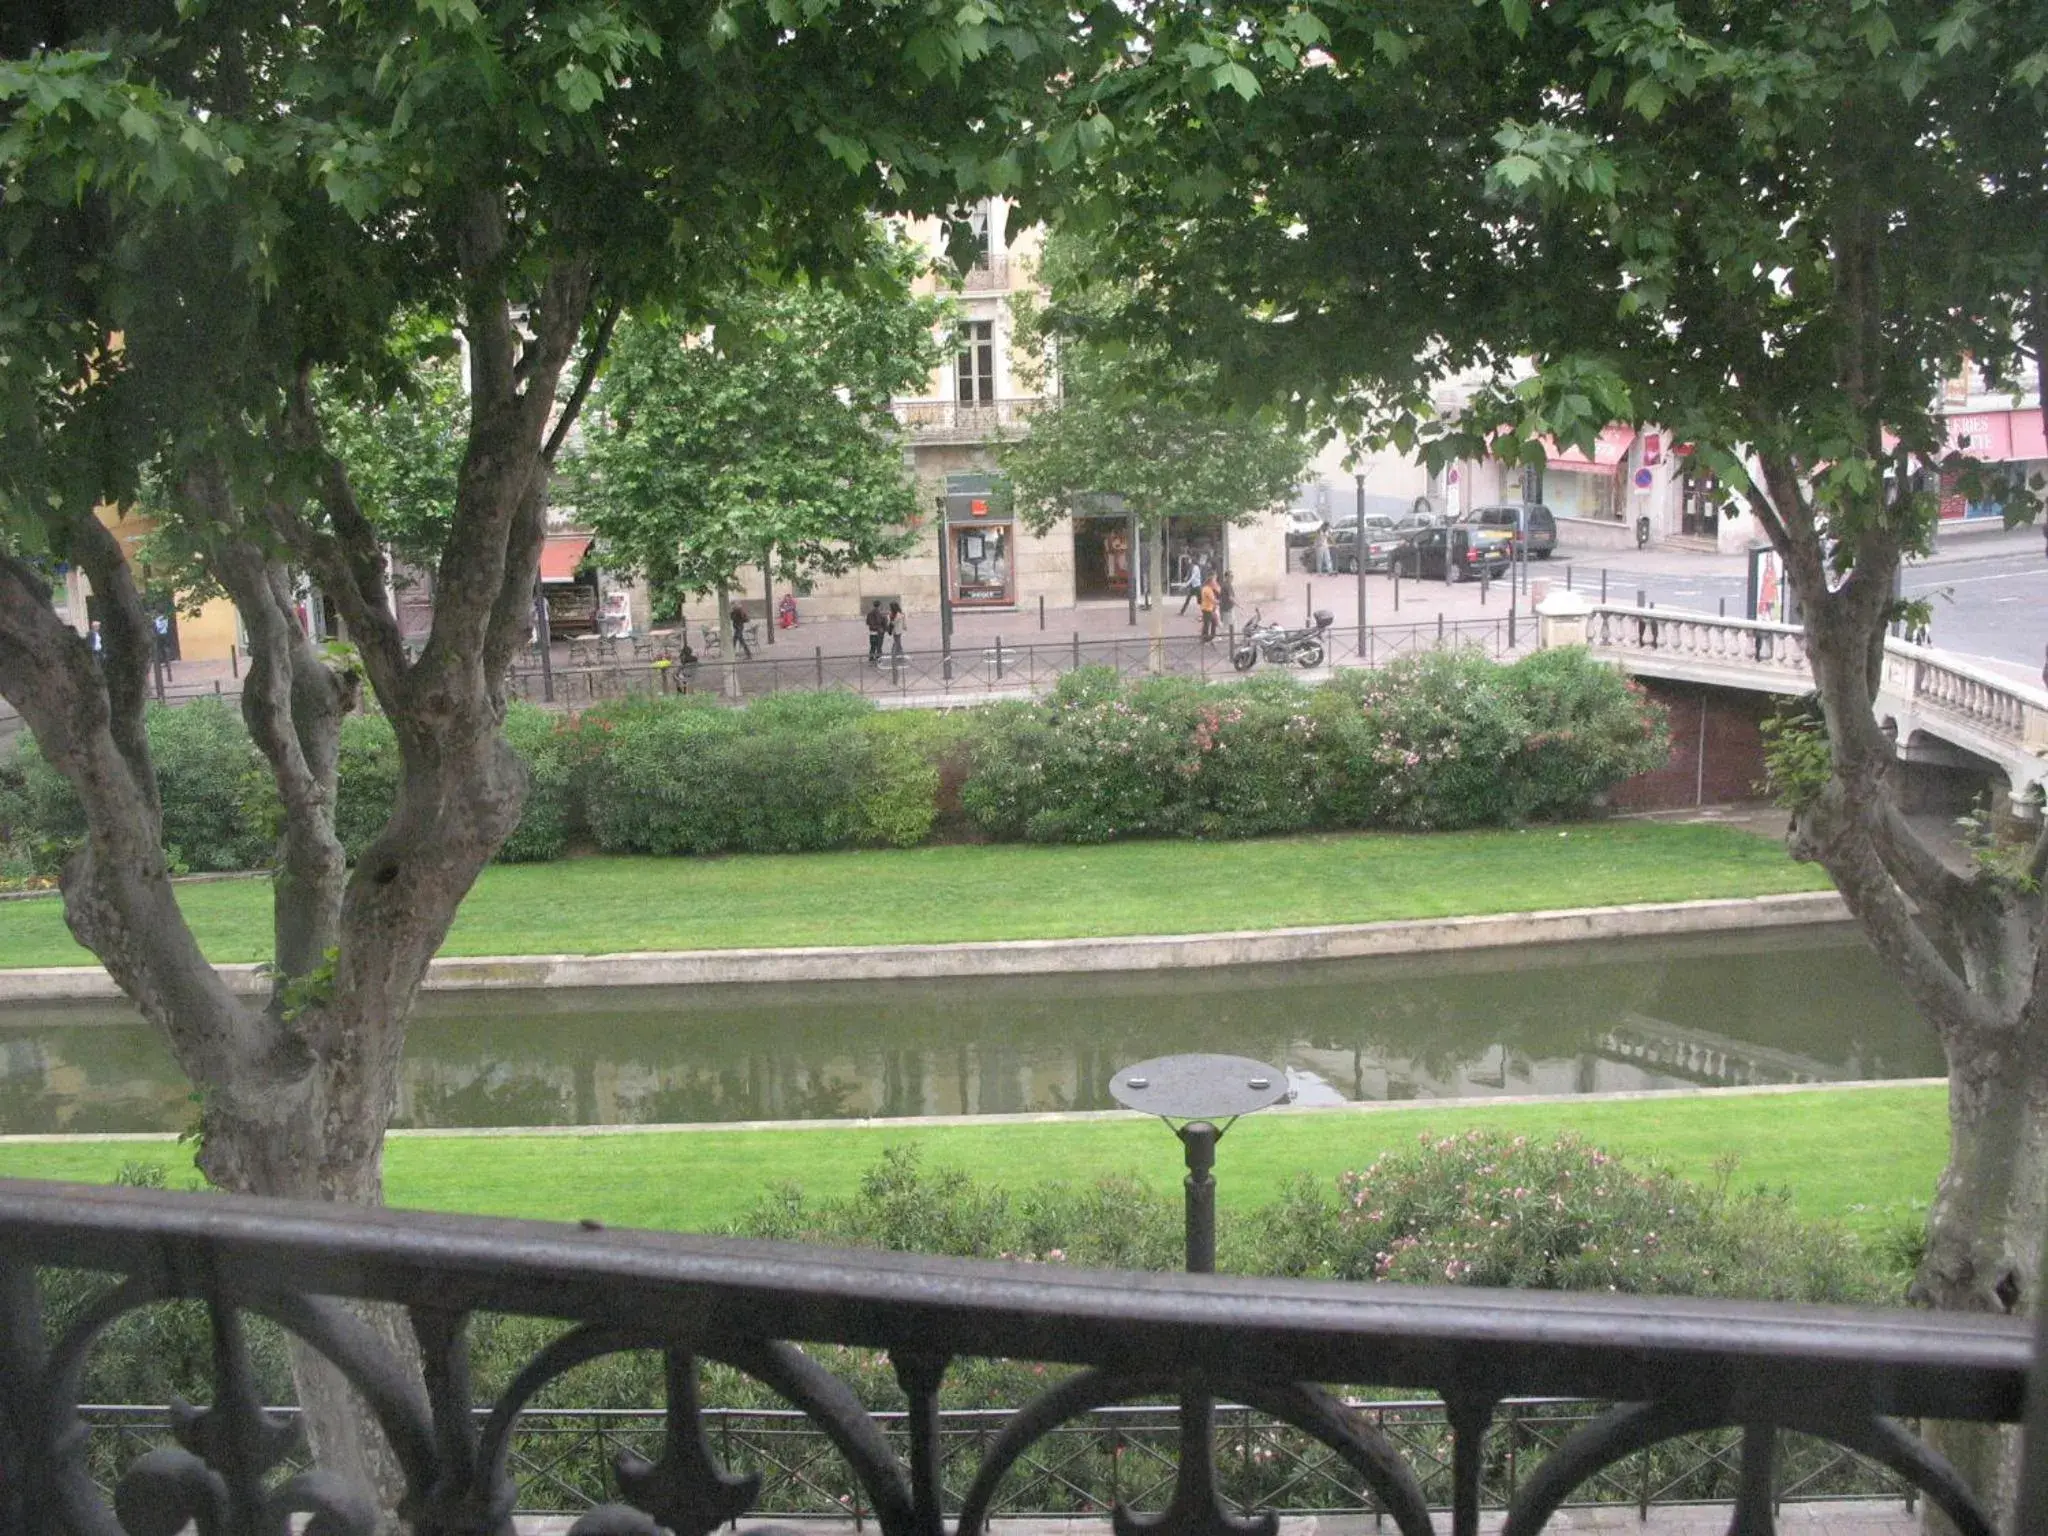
pixel 964 894
pixel 1865 1157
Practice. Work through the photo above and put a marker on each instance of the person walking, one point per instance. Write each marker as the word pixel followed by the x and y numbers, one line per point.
pixel 1324 565
pixel 1226 600
pixel 1208 599
pixel 739 631
pixel 878 626
pixel 898 627
pixel 1195 578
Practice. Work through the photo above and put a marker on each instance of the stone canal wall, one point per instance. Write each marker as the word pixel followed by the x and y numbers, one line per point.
pixel 1025 957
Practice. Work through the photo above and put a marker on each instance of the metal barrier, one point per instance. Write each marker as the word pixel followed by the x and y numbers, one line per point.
pixel 996 666
pixel 1746 1375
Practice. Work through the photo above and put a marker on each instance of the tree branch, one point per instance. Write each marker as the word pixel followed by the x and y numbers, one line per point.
pixel 593 360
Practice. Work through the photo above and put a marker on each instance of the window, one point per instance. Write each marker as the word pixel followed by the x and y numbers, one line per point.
pixel 975 371
pixel 982 221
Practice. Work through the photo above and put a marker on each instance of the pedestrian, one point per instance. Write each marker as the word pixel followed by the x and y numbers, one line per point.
pixel 1195 575
pixel 1324 566
pixel 94 638
pixel 739 631
pixel 1226 599
pixel 898 626
pixel 161 623
pixel 878 626
pixel 1209 598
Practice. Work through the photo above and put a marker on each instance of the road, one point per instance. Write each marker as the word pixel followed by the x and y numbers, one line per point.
pixel 1989 592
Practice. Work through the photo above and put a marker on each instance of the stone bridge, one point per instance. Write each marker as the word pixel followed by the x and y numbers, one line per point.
pixel 1944 712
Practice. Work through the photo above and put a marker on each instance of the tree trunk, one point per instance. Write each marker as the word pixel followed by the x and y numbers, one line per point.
pixel 729 669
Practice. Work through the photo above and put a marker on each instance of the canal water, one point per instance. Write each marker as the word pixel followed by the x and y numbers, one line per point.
pixel 1786 1006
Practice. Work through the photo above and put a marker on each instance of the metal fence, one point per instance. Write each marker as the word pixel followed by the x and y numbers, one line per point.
pixel 562 1459
pixel 997 666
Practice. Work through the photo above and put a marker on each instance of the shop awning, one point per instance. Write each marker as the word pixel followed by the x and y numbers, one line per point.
pixel 1609 450
pixel 562 553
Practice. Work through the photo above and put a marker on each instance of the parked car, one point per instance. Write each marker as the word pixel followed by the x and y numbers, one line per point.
pixel 1474 552
pixel 1302 523
pixel 1381 540
pixel 1512 519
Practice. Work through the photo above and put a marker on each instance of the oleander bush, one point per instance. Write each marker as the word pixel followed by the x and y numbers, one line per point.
pixel 1475 1209
pixel 1436 741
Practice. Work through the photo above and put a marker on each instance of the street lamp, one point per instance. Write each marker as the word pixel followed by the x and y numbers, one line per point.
pixel 1197 1091
pixel 1358 559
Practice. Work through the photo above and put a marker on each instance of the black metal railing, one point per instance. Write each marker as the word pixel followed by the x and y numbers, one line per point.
pixel 993 666
pixel 1124 1455
pixel 1675 1368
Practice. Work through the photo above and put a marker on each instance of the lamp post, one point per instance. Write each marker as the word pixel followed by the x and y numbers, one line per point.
pixel 1197 1091
pixel 945 592
pixel 1358 558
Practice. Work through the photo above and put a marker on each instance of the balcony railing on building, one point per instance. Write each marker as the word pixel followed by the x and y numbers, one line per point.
pixel 1671 1371
pixel 963 421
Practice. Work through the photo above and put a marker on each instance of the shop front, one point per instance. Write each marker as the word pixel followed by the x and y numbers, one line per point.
pixel 981 543
pixel 1105 560
pixel 2013 440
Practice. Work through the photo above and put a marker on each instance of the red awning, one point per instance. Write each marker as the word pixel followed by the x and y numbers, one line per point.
pixel 1610 450
pixel 562 553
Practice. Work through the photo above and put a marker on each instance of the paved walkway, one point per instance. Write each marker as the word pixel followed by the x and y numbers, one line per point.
pixel 1829 1519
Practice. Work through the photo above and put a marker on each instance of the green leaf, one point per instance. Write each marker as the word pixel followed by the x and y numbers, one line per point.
pixel 1235 77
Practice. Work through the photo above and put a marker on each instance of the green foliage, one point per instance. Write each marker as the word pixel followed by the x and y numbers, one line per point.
pixel 367 781
pixel 789 774
pixel 1133 419
pixel 1481 1208
pixel 1433 742
pixel 551 815
pixel 760 430
pixel 220 802
pixel 1797 761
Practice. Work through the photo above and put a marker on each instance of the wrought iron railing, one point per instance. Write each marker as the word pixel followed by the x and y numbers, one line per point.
pixel 1125 1455
pixel 997 665
pixel 1675 1368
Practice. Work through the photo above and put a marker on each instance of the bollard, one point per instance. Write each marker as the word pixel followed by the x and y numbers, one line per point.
pixel 818 658
pixel 1511 629
pixel 1603 583
pixel 1567 576
pixel 1439 626
pixel 1724 607
pixel 1041 610
pixel 1642 598
pixel 1077 650
pixel 1308 602
pixel 1485 582
pixel 216 687
pixel 234 661
pixel 999 658
pixel 1397 589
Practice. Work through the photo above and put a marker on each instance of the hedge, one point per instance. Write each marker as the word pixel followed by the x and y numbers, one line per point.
pixel 1435 741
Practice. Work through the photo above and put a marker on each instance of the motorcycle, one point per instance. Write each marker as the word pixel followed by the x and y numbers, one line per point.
pixel 1279 645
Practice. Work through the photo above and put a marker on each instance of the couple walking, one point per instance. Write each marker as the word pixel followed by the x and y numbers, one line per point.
pixel 890 624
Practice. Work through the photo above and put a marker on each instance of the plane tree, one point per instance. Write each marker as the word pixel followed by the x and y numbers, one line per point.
pixel 756 429
pixel 209 212
pixel 1774 230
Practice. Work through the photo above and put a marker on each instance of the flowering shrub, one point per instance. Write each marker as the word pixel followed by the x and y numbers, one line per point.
pixel 1475 1209
pixel 1434 741
pixel 1487 1209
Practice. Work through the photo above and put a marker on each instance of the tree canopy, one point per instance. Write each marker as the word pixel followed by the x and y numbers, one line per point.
pixel 758 430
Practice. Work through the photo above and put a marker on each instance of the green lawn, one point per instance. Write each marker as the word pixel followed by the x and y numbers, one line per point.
pixel 937 895
pixel 1866 1157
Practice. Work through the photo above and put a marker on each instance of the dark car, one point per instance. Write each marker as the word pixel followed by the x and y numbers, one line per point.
pixel 1474 552
pixel 1512 519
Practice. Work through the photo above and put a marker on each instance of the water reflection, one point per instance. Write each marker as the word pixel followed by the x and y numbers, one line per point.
pixel 1791 1006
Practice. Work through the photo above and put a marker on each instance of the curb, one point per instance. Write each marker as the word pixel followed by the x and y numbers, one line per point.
pixel 1031 957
